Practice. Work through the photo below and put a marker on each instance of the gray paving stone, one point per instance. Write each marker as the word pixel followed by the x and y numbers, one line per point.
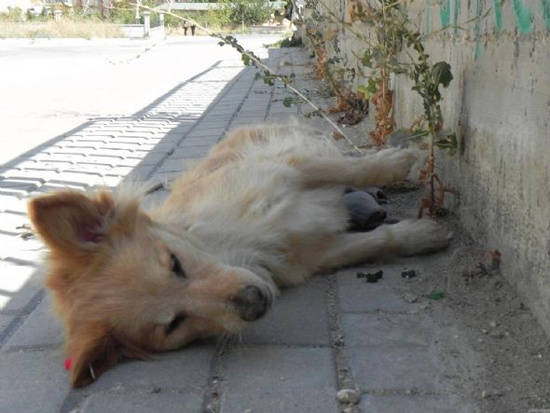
pixel 41 328
pixel 275 379
pixel 194 143
pixel 151 158
pixel 123 170
pixel 187 368
pixel 32 165
pixel 5 320
pixel 76 177
pixel 190 152
pixel 164 177
pixel 216 122
pixel 12 203
pixel 97 169
pixel 55 186
pixel 132 141
pixel 121 145
pixel 32 382
pixel 206 133
pixel 135 131
pixel 17 187
pixel 357 295
pixel 387 329
pixel 298 317
pixel 141 172
pixel 161 147
pixel 113 151
pixel 175 165
pixel 170 136
pixel 50 158
pixel 412 404
pixel 394 368
pixel 202 140
pixel 131 162
pixel 145 401
pixel 18 285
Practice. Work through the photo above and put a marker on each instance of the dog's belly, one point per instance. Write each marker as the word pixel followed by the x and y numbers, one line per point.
pixel 267 197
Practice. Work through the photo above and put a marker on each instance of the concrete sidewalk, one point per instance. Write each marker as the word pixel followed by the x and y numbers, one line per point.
pixel 335 333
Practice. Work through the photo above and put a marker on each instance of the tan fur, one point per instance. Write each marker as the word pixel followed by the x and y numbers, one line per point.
pixel 263 210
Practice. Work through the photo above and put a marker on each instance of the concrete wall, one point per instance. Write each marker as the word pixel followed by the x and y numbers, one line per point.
pixel 499 106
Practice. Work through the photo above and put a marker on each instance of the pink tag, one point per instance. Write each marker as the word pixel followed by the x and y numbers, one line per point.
pixel 68 364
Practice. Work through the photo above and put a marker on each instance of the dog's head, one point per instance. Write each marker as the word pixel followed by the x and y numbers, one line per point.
pixel 126 286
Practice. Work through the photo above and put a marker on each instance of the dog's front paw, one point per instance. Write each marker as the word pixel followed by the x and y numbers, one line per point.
pixel 397 163
pixel 420 236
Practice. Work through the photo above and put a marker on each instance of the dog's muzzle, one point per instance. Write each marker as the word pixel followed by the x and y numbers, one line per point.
pixel 251 303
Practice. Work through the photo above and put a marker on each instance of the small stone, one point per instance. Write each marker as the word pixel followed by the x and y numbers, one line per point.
pixel 410 298
pixel 371 277
pixel 424 306
pixel 248 411
pixel 348 396
pixel 484 331
pixel 493 324
pixel 408 274
pixel 485 394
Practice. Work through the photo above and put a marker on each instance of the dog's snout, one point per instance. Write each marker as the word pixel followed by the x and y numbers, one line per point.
pixel 251 303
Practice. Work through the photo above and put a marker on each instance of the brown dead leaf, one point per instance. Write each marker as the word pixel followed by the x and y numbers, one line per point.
pixel 351 117
pixel 337 136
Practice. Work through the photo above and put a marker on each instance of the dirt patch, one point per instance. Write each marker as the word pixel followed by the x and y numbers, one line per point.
pixel 491 343
pixel 494 351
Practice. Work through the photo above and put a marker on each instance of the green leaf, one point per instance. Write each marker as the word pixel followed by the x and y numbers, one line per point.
pixel 369 89
pixel 245 59
pixel 418 134
pixel 366 60
pixel 288 101
pixel 450 143
pixel 436 295
pixel 441 72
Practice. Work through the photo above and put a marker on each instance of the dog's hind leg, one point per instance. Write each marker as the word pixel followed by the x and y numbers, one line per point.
pixel 403 238
pixel 382 168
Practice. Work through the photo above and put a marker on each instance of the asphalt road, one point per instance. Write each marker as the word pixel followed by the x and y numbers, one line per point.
pixel 48 87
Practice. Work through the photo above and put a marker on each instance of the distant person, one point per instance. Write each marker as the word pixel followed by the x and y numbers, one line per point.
pixel 193 27
pixel 186 26
pixel 289 9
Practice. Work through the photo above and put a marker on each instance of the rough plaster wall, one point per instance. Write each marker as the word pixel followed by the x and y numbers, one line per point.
pixel 499 106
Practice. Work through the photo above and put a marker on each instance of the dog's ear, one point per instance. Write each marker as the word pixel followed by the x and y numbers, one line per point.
pixel 71 222
pixel 92 350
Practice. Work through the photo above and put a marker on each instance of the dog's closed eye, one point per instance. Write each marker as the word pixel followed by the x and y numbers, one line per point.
pixel 174 324
pixel 175 266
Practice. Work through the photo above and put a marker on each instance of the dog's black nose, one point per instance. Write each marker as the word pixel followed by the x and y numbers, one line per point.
pixel 251 303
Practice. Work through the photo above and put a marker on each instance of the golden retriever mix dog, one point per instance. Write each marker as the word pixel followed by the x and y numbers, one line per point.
pixel 263 210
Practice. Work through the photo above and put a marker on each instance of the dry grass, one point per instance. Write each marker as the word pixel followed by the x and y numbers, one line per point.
pixel 88 29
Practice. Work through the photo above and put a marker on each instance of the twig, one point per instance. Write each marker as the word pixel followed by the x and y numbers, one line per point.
pixel 258 63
